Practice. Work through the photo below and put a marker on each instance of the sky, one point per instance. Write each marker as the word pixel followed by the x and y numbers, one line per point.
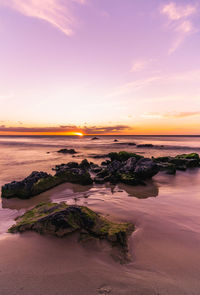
pixel 99 67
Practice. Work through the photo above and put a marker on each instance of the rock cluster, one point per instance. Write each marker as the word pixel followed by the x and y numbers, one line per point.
pixel 61 219
pixel 123 167
pixel 126 168
pixel 67 151
pixel 39 182
pixel 179 162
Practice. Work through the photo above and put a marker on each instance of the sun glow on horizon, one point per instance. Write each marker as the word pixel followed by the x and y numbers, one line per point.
pixel 78 133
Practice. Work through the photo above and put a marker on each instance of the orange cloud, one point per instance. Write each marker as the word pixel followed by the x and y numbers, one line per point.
pixel 65 130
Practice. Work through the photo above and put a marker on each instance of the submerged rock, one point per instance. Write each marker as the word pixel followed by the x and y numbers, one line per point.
pixel 67 151
pixel 61 219
pixel 94 156
pixel 147 145
pixel 95 138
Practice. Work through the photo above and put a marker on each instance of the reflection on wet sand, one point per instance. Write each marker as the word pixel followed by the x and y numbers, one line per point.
pixel 60 193
pixel 72 192
pixel 141 191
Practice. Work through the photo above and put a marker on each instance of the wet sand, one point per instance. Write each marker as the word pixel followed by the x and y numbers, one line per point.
pixel 164 249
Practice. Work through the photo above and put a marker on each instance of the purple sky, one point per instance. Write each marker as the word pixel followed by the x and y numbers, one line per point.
pixel 129 64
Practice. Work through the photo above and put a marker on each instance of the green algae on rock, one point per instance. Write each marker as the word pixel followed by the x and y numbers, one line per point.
pixel 34 184
pixel 123 156
pixel 180 162
pixel 61 219
pixel 38 182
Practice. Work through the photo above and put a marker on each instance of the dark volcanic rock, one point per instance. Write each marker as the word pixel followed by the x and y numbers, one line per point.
pixel 130 164
pixel 127 168
pixel 95 138
pixel 84 164
pixel 34 184
pixel 74 175
pixel 61 219
pixel 146 168
pixel 123 156
pixel 67 151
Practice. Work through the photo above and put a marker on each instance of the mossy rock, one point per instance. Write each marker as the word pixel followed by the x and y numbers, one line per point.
pixel 34 184
pixel 75 175
pixel 129 178
pixel 61 219
pixel 193 156
pixel 123 156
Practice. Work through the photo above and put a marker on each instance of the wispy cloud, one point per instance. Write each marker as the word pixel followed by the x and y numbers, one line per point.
pixel 105 129
pixel 181 115
pixel 56 12
pixel 139 84
pixel 132 86
pixel 176 12
pixel 179 17
pixel 171 115
pixel 139 65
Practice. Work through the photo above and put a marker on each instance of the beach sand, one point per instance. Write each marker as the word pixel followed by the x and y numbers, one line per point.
pixel 164 249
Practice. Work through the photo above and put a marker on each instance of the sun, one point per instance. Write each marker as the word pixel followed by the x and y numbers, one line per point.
pixel 78 133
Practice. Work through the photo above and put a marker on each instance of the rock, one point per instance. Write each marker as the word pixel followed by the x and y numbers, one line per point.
pixel 115 140
pixel 66 166
pixel 179 162
pixel 96 169
pixel 67 151
pixel 193 156
pixel 34 184
pixel 98 156
pixel 130 178
pixel 84 164
pixel 74 175
pixel 131 143
pixel 168 167
pixel 105 163
pixel 95 138
pixel 114 166
pixel 126 143
pixel 61 219
pixel 123 156
pixel 162 159
pixel 103 173
pixel 147 145
pixel 130 164
pixel 146 168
